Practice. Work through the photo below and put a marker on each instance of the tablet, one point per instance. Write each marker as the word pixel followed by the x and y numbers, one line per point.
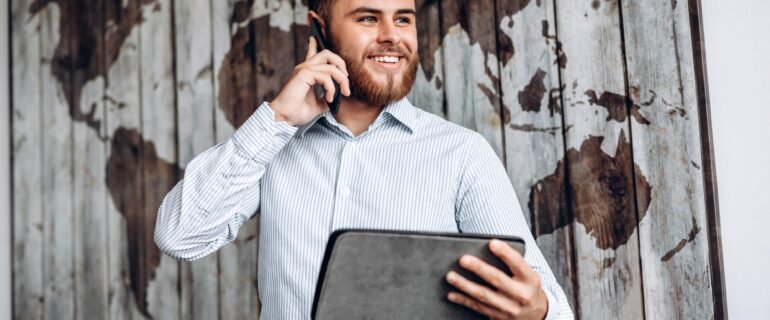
pixel 374 274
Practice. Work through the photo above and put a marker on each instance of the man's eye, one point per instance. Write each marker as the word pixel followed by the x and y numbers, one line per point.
pixel 367 19
pixel 404 20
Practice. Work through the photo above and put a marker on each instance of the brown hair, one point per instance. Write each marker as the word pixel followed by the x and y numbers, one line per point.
pixel 322 7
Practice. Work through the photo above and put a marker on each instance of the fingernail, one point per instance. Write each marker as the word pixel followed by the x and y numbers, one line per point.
pixel 451 276
pixel 496 244
pixel 452 296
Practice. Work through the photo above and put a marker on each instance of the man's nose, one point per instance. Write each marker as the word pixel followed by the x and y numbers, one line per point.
pixel 389 33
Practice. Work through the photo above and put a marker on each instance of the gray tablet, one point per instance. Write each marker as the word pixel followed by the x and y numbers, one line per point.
pixel 369 274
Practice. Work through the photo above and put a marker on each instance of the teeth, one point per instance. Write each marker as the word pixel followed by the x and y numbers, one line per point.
pixel 386 59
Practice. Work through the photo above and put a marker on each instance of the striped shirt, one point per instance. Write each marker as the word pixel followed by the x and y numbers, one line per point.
pixel 411 170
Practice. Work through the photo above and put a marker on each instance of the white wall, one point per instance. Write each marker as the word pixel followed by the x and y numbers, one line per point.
pixel 5 173
pixel 738 66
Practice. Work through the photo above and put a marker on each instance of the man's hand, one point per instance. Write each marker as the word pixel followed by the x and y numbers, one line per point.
pixel 517 297
pixel 297 103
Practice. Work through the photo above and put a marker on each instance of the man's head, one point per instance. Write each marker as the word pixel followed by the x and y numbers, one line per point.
pixel 378 41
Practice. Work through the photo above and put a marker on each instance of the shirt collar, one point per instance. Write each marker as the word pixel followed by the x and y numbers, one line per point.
pixel 402 111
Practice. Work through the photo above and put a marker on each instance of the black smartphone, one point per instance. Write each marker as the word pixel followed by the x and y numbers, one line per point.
pixel 316 32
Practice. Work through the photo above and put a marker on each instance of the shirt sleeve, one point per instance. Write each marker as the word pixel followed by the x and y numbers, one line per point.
pixel 487 204
pixel 220 189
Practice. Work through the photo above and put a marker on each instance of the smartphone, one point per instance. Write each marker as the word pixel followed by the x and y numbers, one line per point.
pixel 316 32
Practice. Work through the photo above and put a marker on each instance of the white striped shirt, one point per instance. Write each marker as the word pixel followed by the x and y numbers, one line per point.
pixel 411 170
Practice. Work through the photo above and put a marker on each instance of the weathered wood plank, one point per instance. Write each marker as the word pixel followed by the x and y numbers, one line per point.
pixel 27 137
pixel 599 161
pixel 195 103
pixel 90 193
pixel 532 124
pixel 716 264
pixel 236 76
pixel 57 169
pixel 6 177
pixel 237 261
pixel 273 43
pixel 221 32
pixel 160 171
pixel 194 87
pixel 470 68
pixel 428 90
pixel 300 29
pixel 90 196
pixel 127 292
pixel 674 250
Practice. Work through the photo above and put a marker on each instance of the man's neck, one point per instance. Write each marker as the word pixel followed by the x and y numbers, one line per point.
pixel 357 116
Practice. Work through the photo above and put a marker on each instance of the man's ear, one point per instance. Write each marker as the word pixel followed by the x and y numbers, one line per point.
pixel 312 14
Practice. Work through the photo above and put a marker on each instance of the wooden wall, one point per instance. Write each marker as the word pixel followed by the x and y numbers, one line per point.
pixel 596 107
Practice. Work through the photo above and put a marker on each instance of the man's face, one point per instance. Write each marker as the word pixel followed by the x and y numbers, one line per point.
pixel 378 41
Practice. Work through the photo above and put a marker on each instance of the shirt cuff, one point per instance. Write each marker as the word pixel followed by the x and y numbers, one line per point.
pixel 553 306
pixel 261 137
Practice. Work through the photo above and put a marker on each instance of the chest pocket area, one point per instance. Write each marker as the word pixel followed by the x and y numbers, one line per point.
pixel 418 198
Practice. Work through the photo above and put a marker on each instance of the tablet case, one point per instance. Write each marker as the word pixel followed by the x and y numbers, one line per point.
pixel 370 274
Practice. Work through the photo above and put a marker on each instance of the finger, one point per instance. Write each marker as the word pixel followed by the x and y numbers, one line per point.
pixel 513 260
pixel 477 306
pixel 479 292
pixel 328 84
pixel 312 48
pixel 492 275
pixel 320 78
pixel 328 57
pixel 336 74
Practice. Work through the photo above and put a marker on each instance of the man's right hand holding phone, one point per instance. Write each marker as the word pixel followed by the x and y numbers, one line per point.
pixel 296 103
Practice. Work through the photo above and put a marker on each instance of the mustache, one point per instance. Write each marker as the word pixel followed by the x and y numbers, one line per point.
pixel 389 49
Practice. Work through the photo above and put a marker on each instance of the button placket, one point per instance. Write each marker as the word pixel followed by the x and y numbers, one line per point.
pixel 342 190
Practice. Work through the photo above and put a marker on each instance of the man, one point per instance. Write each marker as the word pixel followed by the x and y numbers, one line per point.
pixel 379 163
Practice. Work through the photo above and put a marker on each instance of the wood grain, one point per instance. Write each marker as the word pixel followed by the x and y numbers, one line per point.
pixel 122 112
pixel 532 125
pixel 674 250
pixel 600 162
pixel 235 77
pixel 708 165
pixel 195 100
pixel 470 68
pixel 159 169
pixel 27 137
pixel 122 104
pixel 56 182
pixel 89 192
pixel 428 90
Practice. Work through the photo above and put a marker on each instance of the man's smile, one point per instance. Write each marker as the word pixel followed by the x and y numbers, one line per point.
pixel 387 62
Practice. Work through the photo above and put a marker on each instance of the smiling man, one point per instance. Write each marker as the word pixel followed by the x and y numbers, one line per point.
pixel 379 163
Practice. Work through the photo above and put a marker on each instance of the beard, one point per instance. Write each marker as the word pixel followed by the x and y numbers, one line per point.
pixel 363 86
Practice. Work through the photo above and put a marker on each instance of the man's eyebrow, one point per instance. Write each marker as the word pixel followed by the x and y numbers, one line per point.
pixel 406 11
pixel 369 10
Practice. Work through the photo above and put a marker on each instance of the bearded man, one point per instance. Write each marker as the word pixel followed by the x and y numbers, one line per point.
pixel 379 163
